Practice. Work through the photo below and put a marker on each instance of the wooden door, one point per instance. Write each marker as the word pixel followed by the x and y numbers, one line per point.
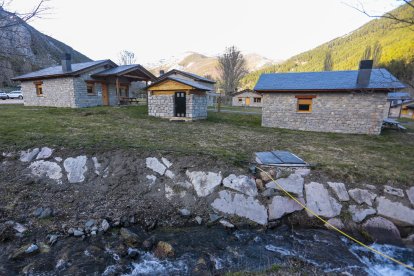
pixel 247 101
pixel 180 104
pixel 105 96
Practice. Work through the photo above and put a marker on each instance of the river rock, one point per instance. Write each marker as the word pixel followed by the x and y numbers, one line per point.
pixel 76 168
pixel 105 225
pixel 393 191
pixel 44 153
pixel 19 227
pixel 340 190
pixel 163 250
pixel 166 162
pixel 204 183
pixel 362 196
pixel 410 194
pixel 199 220
pixel 302 172
pixel 319 201
pixel 359 214
pixel 169 174
pixel 281 206
pixel 45 213
pixel 185 212
pixel 155 165
pixel 151 179
pixel 31 249
pixel 130 238
pixel 335 222
pixel 78 233
pixel 292 184
pixel 27 156
pixel 226 223
pixel 395 211
pixel 241 205
pixel 90 223
pixel 49 169
pixel 241 183
pixel 382 230
pixel 58 159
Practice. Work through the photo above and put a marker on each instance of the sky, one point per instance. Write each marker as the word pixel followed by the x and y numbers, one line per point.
pixel 159 29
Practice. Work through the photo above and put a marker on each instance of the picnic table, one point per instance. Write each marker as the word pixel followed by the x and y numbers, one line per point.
pixel 391 123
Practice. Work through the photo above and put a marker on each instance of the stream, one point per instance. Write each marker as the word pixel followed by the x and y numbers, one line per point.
pixel 218 249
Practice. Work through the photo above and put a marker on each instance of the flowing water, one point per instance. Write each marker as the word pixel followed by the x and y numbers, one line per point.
pixel 220 251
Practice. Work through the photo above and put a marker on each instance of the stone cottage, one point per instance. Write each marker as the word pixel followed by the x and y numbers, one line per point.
pixel 335 101
pixel 84 84
pixel 178 94
pixel 247 98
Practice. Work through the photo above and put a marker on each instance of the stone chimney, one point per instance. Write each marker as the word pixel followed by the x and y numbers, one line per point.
pixel 162 72
pixel 364 73
pixel 66 63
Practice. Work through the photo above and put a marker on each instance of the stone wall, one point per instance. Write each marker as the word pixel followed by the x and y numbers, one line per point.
pixel 161 105
pixel 82 99
pixel 360 113
pixel 196 106
pixel 235 99
pixel 57 92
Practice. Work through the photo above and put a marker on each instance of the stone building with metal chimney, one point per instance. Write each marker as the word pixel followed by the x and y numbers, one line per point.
pixel 84 84
pixel 333 101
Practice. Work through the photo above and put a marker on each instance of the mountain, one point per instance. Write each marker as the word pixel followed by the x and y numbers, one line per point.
pixel 24 49
pixel 204 65
pixel 395 40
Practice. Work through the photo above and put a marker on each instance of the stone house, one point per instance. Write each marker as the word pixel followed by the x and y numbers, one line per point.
pixel 335 101
pixel 404 109
pixel 178 94
pixel 84 84
pixel 247 98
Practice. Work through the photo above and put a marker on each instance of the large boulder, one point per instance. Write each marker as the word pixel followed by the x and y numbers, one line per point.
pixel 76 168
pixel 241 183
pixel 27 156
pixel 359 214
pixel 410 194
pixel 362 196
pixel 241 205
pixel 155 165
pixel 292 184
pixel 340 190
pixel 281 206
pixel 49 169
pixel 130 238
pixel 319 201
pixel 163 250
pixel 395 211
pixel 382 230
pixel 204 183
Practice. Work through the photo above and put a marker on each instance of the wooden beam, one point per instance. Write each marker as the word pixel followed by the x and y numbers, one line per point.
pixel 117 91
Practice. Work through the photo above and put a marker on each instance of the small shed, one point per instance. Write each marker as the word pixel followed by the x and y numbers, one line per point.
pixel 176 97
pixel 247 98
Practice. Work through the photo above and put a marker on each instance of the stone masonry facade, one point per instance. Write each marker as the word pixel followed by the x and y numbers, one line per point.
pixel 163 106
pixel 352 112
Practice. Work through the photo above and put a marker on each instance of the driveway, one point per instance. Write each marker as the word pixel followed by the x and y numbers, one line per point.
pixel 11 101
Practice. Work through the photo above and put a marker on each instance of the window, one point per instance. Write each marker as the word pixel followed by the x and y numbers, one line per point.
pixel 257 100
pixel 240 100
pixel 90 88
pixel 304 103
pixel 123 91
pixel 39 89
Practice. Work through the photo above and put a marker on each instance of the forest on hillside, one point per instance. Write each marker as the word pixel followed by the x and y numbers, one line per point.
pixel 396 50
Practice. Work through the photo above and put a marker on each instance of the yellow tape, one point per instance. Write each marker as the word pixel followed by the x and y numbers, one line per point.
pixel 336 229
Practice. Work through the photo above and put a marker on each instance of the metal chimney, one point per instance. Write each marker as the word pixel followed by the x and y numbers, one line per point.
pixel 162 72
pixel 66 63
pixel 364 73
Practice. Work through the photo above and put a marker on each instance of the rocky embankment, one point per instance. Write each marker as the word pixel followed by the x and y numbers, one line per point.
pixel 53 194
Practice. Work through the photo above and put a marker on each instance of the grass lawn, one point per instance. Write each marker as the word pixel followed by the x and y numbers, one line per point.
pixel 238 108
pixel 232 137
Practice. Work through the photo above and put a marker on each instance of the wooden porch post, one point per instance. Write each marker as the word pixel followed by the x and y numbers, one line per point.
pixel 117 90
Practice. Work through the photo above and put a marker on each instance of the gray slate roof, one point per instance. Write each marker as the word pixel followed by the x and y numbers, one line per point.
pixel 330 80
pixel 57 70
pixel 194 84
pixel 191 75
pixel 398 96
pixel 117 71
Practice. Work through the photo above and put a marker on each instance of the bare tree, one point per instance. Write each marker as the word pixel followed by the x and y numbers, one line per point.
pixel 328 62
pixel 126 58
pixel 407 20
pixel 232 68
pixel 10 19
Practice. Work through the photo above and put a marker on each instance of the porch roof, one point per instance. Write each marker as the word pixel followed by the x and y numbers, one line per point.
pixel 134 72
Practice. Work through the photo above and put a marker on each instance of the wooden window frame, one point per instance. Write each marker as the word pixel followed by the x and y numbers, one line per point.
pixel 39 88
pixel 257 100
pixel 304 100
pixel 88 84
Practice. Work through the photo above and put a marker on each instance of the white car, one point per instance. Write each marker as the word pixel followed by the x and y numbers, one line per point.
pixel 15 95
pixel 3 95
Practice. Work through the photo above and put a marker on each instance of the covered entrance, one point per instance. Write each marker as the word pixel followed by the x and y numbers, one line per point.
pixel 180 104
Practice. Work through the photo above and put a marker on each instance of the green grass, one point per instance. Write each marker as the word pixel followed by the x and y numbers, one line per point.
pixel 231 137
pixel 239 108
